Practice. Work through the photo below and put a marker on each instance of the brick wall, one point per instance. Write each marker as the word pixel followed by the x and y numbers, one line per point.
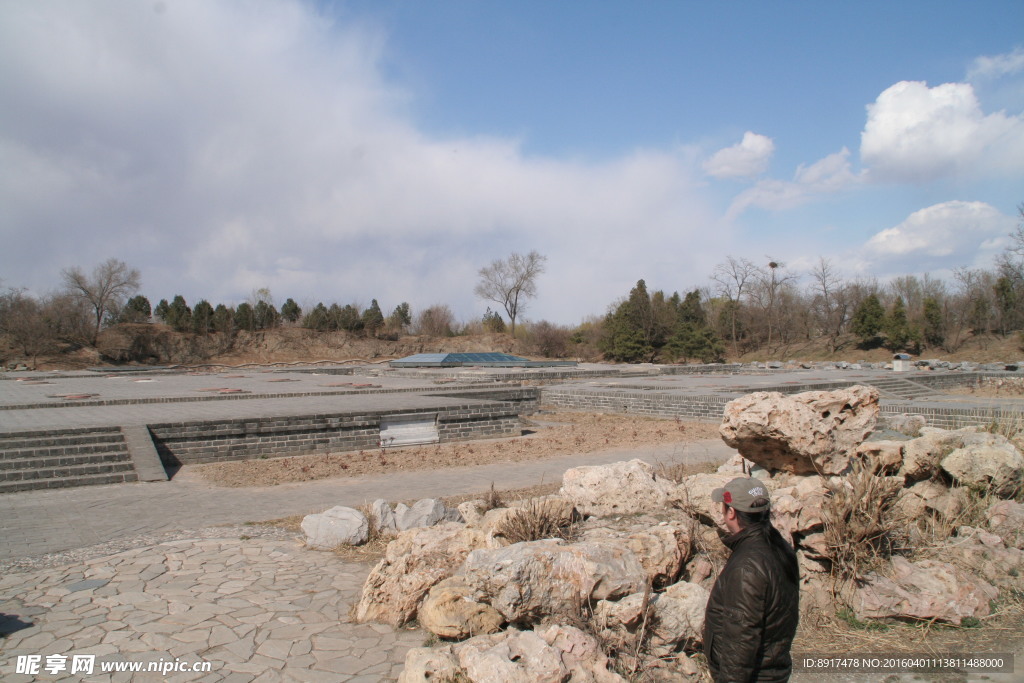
pixel 249 438
pixel 711 408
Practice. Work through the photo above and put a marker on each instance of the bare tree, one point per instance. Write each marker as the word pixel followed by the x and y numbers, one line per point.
pixel 23 320
pixel 830 301
pixel 110 285
pixel 771 284
pixel 732 279
pixel 511 282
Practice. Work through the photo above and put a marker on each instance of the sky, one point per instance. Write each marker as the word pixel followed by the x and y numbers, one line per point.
pixel 388 149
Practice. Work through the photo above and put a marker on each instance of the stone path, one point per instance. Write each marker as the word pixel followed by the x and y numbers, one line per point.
pixel 256 609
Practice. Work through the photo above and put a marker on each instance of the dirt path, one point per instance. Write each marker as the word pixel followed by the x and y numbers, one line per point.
pixel 550 435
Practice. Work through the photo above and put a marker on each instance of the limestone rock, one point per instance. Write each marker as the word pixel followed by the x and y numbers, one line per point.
pixel 416 560
pixel 382 518
pixel 662 550
pixel 881 457
pixel 472 511
pixel 931 497
pixel 451 610
pixel 815 431
pixel 552 654
pixel 989 461
pixel 337 526
pixel 528 581
pixel 1006 518
pixel 680 616
pixel 423 513
pixel 796 509
pixel 986 555
pixel 925 590
pixel 617 489
pixel 921 456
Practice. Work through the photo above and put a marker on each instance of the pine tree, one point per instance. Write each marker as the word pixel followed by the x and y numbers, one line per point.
pixel 868 319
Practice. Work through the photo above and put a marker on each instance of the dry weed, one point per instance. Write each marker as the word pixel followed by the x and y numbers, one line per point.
pixel 535 520
pixel 862 527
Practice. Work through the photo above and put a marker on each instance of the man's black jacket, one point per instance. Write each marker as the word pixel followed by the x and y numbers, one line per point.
pixel 752 613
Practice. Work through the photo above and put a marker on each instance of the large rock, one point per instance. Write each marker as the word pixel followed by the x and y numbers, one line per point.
pixel 662 550
pixel 926 590
pixel 931 497
pixel 452 610
pixel 620 488
pixel 414 562
pixel 796 509
pixel 921 456
pixel 382 518
pixel 674 617
pixel 530 581
pixel 335 527
pixel 815 431
pixel 881 457
pixel 426 512
pixel 552 654
pixel 986 555
pixel 1006 518
pixel 680 616
pixel 987 461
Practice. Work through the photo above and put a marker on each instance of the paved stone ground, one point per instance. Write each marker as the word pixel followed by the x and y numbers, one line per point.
pixel 258 609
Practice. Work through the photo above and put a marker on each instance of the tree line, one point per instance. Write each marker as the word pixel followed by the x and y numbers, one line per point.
pixel 744 307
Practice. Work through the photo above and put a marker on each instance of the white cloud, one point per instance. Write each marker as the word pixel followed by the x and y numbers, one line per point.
pixel 220 147
pixel 997 65
pixel 747 158
pixel 915 133
pixel 825 176
pixel 946 235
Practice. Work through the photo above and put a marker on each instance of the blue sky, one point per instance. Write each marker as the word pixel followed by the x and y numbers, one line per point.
pixel 344 151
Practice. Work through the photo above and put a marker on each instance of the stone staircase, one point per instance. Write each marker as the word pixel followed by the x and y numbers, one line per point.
pixel 899 387
pixel 64 458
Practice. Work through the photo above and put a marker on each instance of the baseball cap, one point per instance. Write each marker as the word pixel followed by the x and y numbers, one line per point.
pixel 744 494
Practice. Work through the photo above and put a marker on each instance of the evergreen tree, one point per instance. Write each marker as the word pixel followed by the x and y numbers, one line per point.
pixel 868 319
pixel 629 328
pixel 264 315
pixel 318 319
pixel 179 315
pixel 934 330
pixel 349 319
pixel 161 310
pixel 493 322
pixel 400 318
pixel 899 334
pixel 202 317
pixel 223 319
pixel 373 319
pixel 137 310
pixel 244 318
pixel 290 311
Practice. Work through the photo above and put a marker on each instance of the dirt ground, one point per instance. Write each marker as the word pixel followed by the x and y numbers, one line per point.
pixel 547 435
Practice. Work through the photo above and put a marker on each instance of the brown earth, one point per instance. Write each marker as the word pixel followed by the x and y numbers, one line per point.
pixel 559 434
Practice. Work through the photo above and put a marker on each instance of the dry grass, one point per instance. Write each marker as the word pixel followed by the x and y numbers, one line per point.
pixel 862 527
pixel 574 434
pixel 536 519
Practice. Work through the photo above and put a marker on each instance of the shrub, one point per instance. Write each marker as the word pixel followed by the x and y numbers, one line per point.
pixel 536 520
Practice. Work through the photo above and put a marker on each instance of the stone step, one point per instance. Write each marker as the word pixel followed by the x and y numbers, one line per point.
pixel 64 482
pixel 69 472
pixel 51 461
pixel 68 450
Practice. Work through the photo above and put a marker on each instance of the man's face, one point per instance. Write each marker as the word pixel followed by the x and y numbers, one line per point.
pixel 729 519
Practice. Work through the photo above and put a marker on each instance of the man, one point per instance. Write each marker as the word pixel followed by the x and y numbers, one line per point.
pixel 753 610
